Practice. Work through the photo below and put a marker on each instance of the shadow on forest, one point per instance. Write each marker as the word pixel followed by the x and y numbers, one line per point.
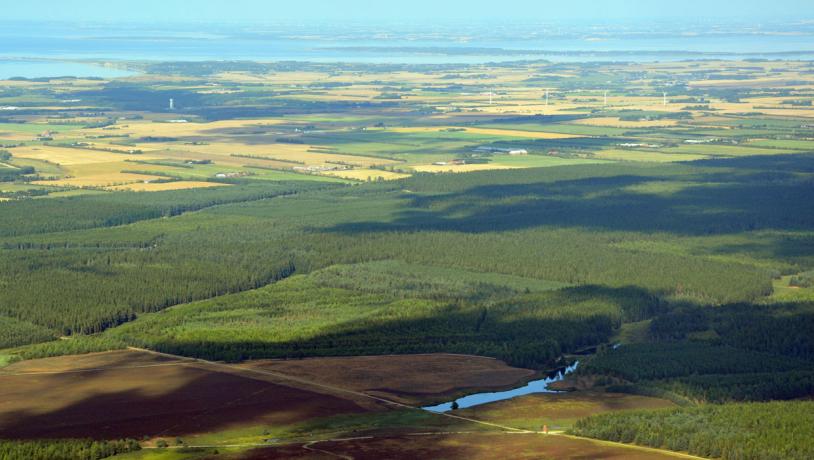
pixel 526 331
pixel 704 202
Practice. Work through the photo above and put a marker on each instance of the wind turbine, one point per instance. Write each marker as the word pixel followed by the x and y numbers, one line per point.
pixel 606 98
pixel 546 95
pixel 491 94
pixel 665 98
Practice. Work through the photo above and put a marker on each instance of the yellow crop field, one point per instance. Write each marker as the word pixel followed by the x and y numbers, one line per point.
pixel 656 104
pixel 162 186
pixel 751 83
pixel 462 168
pixel 365 174
pixel 98 169
pixel 100 180
pixel 299 153
pixel 16 136
pixel 118 149
pixel 790 112
pixel 71 156
pixel 149 128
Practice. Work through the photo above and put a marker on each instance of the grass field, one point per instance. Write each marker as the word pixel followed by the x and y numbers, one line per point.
pixel 646 155
pixel 36 128
pixel 805 145
pixel 568 129
pixel 503 133
pixel 559 410
pixel 724 150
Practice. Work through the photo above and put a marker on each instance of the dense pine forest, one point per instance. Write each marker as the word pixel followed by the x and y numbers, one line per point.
pixel 605 226
pixel 778 430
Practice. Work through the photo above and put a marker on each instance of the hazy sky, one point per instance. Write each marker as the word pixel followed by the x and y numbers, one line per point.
pixel 395 10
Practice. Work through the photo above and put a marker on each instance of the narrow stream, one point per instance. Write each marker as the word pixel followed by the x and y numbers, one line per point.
pixel 535 386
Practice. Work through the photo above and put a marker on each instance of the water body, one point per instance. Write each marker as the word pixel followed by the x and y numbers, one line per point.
pixel 535 386
pixel 481 44
pixel 39 69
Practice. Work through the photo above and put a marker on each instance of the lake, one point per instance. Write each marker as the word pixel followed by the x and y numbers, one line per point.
pixel 535 386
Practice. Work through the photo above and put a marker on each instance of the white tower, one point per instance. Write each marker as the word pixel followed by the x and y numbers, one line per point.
pixel 172 104
pixel 665 99
pixel 606 98
pixel 546 96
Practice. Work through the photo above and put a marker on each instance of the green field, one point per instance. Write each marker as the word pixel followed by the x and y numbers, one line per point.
pixel 31 128
pixel 785 144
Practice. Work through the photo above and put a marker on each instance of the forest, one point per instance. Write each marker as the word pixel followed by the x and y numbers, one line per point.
pixel 569 226
pixel 67 449
pixel 777 430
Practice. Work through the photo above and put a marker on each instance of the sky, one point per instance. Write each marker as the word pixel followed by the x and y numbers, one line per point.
pixel 429 11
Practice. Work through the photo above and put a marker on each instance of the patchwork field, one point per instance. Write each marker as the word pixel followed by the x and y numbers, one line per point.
pixel 374 125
